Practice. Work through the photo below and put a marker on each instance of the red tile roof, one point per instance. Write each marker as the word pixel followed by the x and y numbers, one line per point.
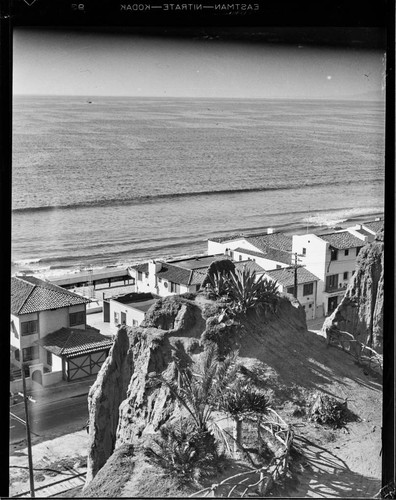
pixel 285 276
pixel 143 268
pixel 177 274
pixel 342 240
pixel 269 253
pixel 72 342
pixel 278 241
pixel 249 265
pixel 375 225
pixel 30 294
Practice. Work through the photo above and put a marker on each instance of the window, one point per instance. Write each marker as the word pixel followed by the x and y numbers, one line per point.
pixel 116 318
pixel 346 275
pixel 30 353
pixel 77 318
pixel 14 330
pixel 17 354
pixel 346 252
pixel 308 289
pixel 240 257
pixel 290 290
pixel 358 250
pixel 175 287
pixel 332 281
pixel 310 305
pixel 134 322
pixel 333 253
pixel 140 276
pixel 29 327
pixel 278 266
pixel 159 280
pixel 304 251
pixel 49 358
pixel 146 275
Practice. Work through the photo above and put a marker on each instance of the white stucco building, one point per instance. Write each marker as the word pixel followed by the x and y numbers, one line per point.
pixel 332 258
pixel 270 250
pixel 49 331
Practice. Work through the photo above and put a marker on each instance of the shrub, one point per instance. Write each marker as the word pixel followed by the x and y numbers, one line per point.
pixel 327 410
pixel 185 452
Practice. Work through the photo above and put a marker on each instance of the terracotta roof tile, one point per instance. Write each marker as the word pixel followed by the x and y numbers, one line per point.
pixel 279 241
pixel 375 225
pixel 285 276
pixel 143 268
pixel 342 240
pixel 270 254
pixel 71 342
pixel 30 294
pixel 249 265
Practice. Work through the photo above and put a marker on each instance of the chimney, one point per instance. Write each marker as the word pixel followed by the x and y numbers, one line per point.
pixel 270 230
pixel 154 267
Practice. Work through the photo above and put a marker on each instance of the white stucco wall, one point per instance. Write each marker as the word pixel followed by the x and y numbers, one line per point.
pixel 261 261
pixel 217 248
pixel 131 314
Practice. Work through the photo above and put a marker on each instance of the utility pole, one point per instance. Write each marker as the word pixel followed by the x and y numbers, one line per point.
pixel 295 275
pixel 29 443
pixel 296 266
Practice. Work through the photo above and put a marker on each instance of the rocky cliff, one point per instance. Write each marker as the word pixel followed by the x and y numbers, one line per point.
pixel 360 312
pixel 127 403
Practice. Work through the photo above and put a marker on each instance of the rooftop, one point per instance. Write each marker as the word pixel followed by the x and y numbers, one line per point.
pixel 143 268
pixel 180 275
pixel 269 253
pixel 280 241
pixel 30 294
pixel 72 342
pixel 140 301
pixel 249 265
pixel 342 240
pixel 375 225
pixel 200 262
pixel 285 276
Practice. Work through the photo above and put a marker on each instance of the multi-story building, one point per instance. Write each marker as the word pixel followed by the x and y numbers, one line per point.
pixel 332 258
pixel 49 328
pixel 270 250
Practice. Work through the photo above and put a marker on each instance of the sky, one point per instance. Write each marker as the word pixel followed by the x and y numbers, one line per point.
pixel 84 63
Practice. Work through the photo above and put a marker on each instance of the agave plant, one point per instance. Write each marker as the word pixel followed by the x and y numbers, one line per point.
pixel 218 283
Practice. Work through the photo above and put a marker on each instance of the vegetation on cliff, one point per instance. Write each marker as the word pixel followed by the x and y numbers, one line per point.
pixel 200 365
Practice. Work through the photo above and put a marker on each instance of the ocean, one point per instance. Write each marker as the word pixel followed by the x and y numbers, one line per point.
pixel 111 181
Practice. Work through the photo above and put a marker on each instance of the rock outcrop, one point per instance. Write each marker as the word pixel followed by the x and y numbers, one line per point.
pixel 104 399
pixel 128 403
pixel 360 312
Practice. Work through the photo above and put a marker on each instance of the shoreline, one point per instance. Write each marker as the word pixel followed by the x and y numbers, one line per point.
pixel 302 227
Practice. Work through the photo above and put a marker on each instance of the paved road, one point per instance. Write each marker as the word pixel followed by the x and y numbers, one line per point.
pixel 47 418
